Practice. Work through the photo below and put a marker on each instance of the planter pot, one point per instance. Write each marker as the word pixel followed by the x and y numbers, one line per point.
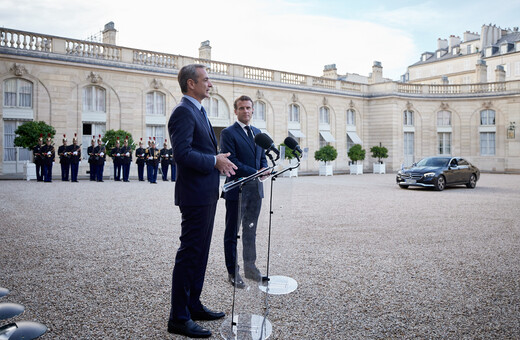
pixel 325 169
pixel 294 172
pixel 356 169
pixel 379 168
pixel 29 170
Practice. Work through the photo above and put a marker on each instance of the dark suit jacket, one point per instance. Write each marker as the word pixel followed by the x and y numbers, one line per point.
pixel 247 156
pixel 194 146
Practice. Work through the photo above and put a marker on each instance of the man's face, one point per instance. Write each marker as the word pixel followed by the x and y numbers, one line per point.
pixel 117 144
pixel 244 111
pixel 48 142
pixel 65 142
pixel 92 142
pixel 99 142
pixel 200 89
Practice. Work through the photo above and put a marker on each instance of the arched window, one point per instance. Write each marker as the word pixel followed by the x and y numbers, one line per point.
pixel 259 113
pixel 408 118
pixel 487 117
pixel 324 115
pixel 294 113
pixel 444 118
pixel 211 105
pixel 94 99
pixel 18 93
pixel 155 103
pixel 351 117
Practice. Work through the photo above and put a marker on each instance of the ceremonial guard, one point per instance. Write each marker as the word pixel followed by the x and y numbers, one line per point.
pixel 117 159
pixel 152 161
pixel 146 157
pixel 172 163
pixel 126 152
pixel 64 160
pixel 48 153
pixel 38 159
pixel 166 156
pixel 100 153
pixel 75 158
pixel 140 153
pixel 92 159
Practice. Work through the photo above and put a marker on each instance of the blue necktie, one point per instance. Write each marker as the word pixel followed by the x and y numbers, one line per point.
pixel 250 134
pixel 205 115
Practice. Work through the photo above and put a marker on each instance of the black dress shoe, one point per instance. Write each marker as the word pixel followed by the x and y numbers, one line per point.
pixel 188 328
pixel 206 314
pixel 236 281
pixel 252 273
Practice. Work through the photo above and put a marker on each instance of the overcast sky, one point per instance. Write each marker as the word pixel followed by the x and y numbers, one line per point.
pixel 288 35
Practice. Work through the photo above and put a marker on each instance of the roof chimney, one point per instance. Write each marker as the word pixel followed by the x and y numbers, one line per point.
pixel 109 34
pixel 205 50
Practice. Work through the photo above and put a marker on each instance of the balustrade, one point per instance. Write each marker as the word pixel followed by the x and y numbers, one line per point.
pixel 155 59
pixel 25 40
pixel 258 74
pixel 291 78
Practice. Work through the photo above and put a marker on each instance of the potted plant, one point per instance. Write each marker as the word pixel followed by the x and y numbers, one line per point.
pixel 326 155
pixel 356 154
pixel 292 161
pixel 379 152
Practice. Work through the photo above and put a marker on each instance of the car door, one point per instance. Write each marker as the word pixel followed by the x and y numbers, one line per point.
pixel 451 172
pixel 463 171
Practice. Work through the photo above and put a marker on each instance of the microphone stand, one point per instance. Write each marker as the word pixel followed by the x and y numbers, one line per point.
pixel 265 279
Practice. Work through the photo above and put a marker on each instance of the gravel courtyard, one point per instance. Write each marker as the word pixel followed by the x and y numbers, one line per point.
pixel 372 261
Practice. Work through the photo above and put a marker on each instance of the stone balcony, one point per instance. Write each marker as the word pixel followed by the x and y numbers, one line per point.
pixel 16 42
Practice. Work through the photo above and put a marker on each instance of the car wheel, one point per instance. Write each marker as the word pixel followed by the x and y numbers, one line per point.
pixel 403 186
pixel 472 182
pixel 440 183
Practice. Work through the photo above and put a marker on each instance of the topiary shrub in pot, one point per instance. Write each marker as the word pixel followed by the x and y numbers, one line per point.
pixel 326 155
pixel 379 152
pixel 356 154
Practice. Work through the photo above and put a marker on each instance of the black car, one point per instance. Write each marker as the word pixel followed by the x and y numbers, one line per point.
pixel 439 172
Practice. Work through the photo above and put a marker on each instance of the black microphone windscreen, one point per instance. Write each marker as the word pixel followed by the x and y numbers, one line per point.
pixel 291 143
pixel 263 140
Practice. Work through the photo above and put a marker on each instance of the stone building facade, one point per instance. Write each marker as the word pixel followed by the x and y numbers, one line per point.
pixel 89 87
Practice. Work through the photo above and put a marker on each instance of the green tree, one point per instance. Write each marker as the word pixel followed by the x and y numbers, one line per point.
pixel 379 152
pixel 326 154
pixel 110 139
pixel 356 153
pixel 28 133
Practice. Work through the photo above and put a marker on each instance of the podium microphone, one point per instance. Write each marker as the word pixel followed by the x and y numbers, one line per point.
pixel 266 143
pixel 292 144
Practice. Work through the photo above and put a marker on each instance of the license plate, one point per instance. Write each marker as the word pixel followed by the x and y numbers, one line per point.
pixel 410 181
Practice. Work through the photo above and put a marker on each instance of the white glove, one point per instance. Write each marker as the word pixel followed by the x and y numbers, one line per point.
pixel 142 155
pixel 102 154
pixel 150 157
pixel 118 155
pixel 128 154
pixel 49 153
pixel 75 153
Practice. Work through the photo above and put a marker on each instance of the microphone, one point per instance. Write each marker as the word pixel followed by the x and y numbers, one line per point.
pixel 265 142
pixel 292 144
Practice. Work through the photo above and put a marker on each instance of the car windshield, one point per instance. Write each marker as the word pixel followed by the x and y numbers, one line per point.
pixel 434 161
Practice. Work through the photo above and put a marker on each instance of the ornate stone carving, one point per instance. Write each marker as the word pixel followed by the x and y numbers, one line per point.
pixel 294 98
pixel 213 90
pixel 409 106
pixel 487 105
pixel 445 106
pixel 94 78
pixel 259 94
pixel 18 69
pixel 156 83
pixel 351 104
pixel 325 101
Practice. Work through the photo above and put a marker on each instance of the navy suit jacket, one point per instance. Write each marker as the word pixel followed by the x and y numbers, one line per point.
pixel 194 146
pixel 247 156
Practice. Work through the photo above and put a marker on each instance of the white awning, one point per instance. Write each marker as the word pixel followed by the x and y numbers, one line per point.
pixel 355 138
pixel 266 132
pixel 297 133
pixel 327 136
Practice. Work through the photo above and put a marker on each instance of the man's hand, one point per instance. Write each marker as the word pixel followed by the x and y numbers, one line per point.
pixel 265 176
pixel 224 165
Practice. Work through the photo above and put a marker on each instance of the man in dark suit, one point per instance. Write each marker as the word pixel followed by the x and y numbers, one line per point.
pixel 63 152
pixel 238 140
pixel 196 193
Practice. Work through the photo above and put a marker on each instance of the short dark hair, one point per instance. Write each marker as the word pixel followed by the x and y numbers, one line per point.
pixel 240 99
pixel 188 72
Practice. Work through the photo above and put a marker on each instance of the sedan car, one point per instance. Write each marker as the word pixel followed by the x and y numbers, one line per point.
pixel 438 173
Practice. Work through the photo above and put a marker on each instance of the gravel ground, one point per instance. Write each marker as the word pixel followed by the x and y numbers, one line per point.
pixel 93 260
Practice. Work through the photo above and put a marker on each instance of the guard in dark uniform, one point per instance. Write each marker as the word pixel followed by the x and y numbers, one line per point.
pixel 140 154
pixel 101 156
pixel 92 159
pixel 148 163
pixel 75 158
pixel 49 154
pixel 117 159
pixel 172 165
pixel 38 159
pixel 126 153
pixel 166 155
pixel 152 160
pixel 64 160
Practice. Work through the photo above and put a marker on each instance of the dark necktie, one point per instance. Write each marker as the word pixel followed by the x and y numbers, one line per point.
pixel 250 134
pixel 205 114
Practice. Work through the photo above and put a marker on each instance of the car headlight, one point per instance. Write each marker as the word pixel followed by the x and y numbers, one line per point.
pixel 399 173
pixel 429 174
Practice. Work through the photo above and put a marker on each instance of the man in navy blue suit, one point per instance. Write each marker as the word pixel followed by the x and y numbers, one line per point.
pixel 238 140
pixel 196 193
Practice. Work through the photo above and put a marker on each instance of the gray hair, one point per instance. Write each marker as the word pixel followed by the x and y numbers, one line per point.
pixel 188 72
